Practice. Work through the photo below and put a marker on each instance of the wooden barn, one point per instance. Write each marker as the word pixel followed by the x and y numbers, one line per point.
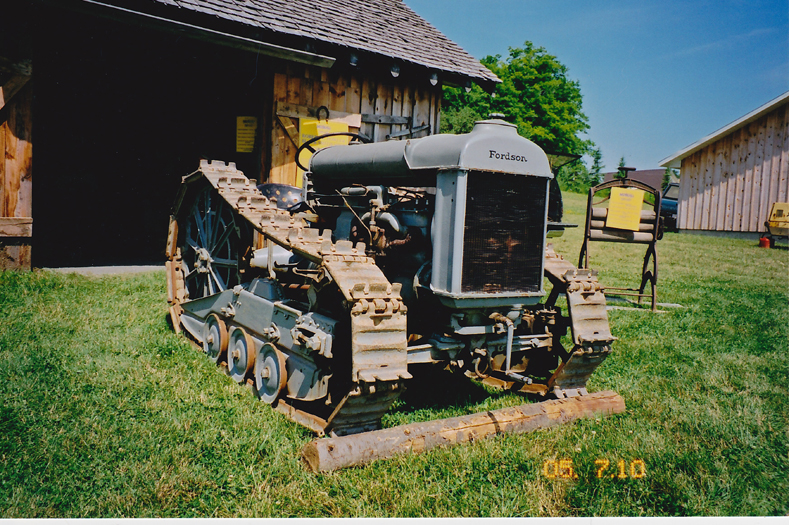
pixel 110 102
pixel 730 179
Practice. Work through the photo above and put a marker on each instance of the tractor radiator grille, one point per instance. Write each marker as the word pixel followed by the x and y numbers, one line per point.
pixel 504 233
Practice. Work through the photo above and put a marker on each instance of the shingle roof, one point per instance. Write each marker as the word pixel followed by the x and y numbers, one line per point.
pixel 383 27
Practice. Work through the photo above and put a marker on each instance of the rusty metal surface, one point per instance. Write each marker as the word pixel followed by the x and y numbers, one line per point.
pixel 591 333
pixel 323 455
pixel 378 315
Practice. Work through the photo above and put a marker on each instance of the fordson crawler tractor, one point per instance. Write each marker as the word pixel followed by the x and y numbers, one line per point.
pixel 427 251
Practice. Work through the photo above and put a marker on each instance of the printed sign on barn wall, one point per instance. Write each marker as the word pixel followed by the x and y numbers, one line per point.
pixel 624 211
pixel 309 128
pixel 246 129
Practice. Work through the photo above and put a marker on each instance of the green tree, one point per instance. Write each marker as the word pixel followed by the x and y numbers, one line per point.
pixel 595 175
pixel 535 94
pixel 620 173
pixel 669 175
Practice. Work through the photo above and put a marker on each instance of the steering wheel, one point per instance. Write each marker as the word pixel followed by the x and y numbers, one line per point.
pixel 308 145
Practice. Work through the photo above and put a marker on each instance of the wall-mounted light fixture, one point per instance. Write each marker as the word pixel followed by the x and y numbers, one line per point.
pixel 468 86
pixel 395 70
pixel 353 59
pixel 433 78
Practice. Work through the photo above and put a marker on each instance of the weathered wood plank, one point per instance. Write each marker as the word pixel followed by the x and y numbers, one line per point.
pixel 421 111
pixel 3 134
pixel 299 111
pixel 321 92
pixel 290 128
pixel 437 118
pixel 369 94
pixel 737 160
pixel 16 179
pixel 775 155
pixel 767 170
pixel 783 178
pixel 716 206
pixel 758 183
pixel 15 254
pixel 384 119
pixel 19 156
pixel 693 194
pixel 747 195
pixel 706 197
pixel 383 107
pixel 338 89
pixel 327 454
pixel 294 89
pixel 724 204
pixel 397 108
pixel 306 94
pixel 280 141
pixel 354 102
pixel 684 194
pixel 16 226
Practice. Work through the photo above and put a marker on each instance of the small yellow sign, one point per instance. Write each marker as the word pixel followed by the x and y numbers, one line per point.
pixel 624 211
pixel 246 130
pixel 309 128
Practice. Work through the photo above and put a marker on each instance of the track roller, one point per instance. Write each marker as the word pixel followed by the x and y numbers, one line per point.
pixel 271 376
pixel 240 354
pixel 215 338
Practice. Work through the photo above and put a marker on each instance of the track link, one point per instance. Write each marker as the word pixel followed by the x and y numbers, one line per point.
pixel 588 321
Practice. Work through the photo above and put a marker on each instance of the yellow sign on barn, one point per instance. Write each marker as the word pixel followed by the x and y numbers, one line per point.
pixel 246 128
pixel 309 128
pixel 624 211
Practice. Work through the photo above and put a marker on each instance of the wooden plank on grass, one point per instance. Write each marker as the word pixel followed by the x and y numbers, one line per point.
pixel 327 454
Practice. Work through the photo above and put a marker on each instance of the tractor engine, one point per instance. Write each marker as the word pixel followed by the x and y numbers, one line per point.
pixel 460 222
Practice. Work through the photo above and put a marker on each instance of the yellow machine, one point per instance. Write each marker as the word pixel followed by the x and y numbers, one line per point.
pixel 778 223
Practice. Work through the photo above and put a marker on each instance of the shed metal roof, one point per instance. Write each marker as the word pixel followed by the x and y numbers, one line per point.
pixel 675 160
pixel 388 28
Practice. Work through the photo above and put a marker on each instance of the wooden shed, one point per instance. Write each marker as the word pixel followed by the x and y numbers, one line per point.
pixel 121 98
pixel 730 179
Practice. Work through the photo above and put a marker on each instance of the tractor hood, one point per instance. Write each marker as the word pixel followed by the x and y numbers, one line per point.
pixel 493 146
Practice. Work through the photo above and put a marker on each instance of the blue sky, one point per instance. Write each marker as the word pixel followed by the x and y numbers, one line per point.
pixel 656 75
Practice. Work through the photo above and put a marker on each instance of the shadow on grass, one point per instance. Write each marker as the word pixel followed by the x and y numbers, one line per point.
pixel 433 388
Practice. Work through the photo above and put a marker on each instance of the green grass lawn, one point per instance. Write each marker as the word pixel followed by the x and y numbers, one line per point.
pixel 107 413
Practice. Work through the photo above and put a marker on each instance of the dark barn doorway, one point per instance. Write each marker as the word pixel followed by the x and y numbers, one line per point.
pixel 121 113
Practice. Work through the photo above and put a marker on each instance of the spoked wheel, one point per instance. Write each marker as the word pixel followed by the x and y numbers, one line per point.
pixel 240 354
pixel 213 244
pixel 271 375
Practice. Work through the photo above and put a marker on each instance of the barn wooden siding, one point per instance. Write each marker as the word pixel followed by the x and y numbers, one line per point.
pixel 386 105
pixel 16 122
pixel 731 184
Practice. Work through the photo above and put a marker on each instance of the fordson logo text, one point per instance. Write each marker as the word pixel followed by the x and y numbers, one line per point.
pixel 506 156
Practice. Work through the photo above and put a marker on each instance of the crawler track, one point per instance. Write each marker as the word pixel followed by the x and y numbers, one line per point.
pixel 377 313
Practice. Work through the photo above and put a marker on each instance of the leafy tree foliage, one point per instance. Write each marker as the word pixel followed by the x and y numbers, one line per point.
pixel 536 95
pixel 577 178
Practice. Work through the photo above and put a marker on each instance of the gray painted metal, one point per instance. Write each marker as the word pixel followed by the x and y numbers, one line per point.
pixel 493 145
